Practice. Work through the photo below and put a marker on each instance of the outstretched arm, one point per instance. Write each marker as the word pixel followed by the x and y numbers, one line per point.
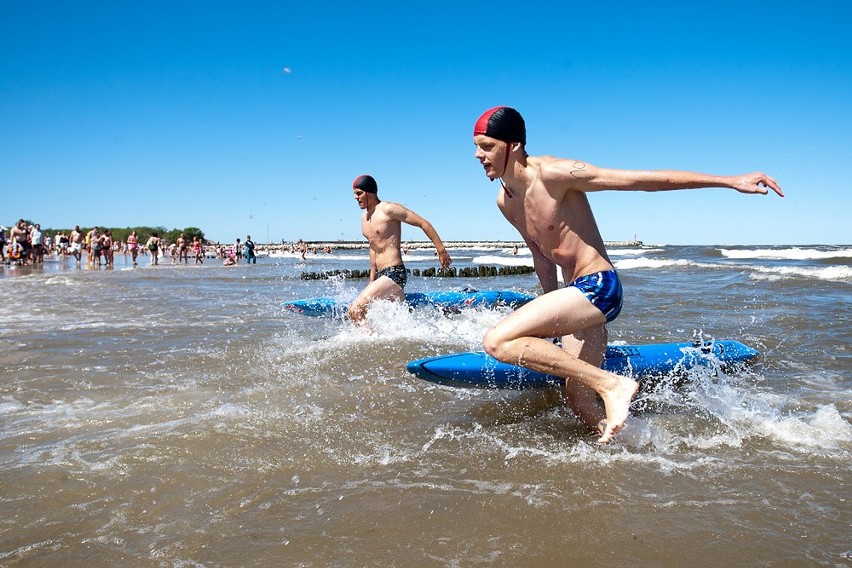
pixel 586 177
pixel 410 217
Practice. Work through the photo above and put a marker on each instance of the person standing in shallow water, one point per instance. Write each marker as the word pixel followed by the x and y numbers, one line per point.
pixel 251 258
pixel 77 240
pixel 133 246
pixel 182 249
pixel 544 198
pixel 153 245
pixel 198 250
pixel 381 224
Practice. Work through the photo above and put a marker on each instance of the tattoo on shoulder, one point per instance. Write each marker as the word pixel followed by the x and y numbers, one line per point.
pixel 577 168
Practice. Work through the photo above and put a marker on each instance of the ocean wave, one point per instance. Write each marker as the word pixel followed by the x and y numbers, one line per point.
pixel 392 320
pixel 523 251
pixel 794 253
pixel 10 405
pixel 418 258
pixel 833 273
pixel 645 262
pixel 632 252
pixel 503 260
pixel 830 273
pixel 743 414
pixel 315 256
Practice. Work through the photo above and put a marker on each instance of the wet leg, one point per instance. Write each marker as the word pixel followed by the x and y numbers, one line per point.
pixel 588 345
pixel 517 339
pixel 382 288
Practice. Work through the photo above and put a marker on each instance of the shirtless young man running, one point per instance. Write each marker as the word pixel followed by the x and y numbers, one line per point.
pixel 381 224
pixel 544 198
pixel 78 239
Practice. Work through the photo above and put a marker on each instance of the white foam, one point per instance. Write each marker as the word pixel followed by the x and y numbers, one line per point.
pixel 23 551
pixel 645 262
pixel 824 429
pixel 503 260
pixel 418 258
pixel 65 279
pixel 794 253
pixel 522 251
pixel 320 255
pixel 8 406
pixel 632 252
pixel 388 321
pixel 629 448
pixel 743 413
pixel 829 273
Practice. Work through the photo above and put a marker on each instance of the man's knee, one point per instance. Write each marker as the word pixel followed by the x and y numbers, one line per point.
pixel 494 344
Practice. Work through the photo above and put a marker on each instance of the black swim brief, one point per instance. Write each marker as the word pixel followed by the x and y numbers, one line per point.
pixel 396 273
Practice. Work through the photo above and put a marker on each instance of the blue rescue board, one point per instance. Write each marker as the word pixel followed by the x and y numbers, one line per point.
pixel 452 300
pixel 642 362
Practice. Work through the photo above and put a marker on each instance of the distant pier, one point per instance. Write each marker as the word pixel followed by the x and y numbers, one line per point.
pixel 452 272
pixel 421 245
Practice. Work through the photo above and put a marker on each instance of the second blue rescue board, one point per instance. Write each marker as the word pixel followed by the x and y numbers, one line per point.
pixel 448 299
pixel 642 362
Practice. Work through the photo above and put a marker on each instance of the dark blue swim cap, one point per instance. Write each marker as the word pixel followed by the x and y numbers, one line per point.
pixel 366 183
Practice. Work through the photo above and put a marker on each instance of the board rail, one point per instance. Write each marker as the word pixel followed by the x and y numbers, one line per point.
pixel 644 363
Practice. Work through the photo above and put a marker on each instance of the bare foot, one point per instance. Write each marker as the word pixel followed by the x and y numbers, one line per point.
pixel 617 403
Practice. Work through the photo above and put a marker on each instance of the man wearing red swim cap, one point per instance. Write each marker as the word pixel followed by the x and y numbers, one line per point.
pixel 544 198
pixel 381 224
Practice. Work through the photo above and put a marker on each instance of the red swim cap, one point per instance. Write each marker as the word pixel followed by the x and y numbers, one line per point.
pixel 503 123
pixel 366 183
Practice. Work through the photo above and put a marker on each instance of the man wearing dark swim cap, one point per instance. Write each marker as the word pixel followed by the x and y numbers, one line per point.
pixel 366 183
pixel 544 198
pixel 381 224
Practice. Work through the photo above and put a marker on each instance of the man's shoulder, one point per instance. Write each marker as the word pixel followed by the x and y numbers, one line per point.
pixel 561 173
pixel 554 165
pixel 390 209
pixel 394 210
pixel 386 205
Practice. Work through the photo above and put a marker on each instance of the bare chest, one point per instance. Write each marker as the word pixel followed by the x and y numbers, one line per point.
pixel 379 227
pixel 538 218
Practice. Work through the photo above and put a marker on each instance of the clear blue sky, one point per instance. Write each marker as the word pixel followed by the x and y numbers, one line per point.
pixel 255 117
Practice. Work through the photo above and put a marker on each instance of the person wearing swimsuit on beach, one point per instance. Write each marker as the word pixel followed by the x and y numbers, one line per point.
pixel 544 198
pixel 133 246
pixel 77 239
pixel 19 234
pixel 198 250
pixel 381 224
pixel 153 245
pixel 182 249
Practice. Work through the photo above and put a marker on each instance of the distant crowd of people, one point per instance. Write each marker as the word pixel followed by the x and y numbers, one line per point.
pixel 25 244
pixel 179 251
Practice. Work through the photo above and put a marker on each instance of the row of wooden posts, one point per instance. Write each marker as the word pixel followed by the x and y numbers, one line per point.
pixel 466 272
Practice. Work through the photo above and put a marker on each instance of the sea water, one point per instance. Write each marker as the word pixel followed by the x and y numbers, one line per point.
pixel 180 416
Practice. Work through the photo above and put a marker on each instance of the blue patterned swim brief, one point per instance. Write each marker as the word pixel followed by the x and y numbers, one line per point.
pixel 603 289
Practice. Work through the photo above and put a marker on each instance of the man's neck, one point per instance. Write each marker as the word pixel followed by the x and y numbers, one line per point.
pixel 371 206
pixel 514 180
